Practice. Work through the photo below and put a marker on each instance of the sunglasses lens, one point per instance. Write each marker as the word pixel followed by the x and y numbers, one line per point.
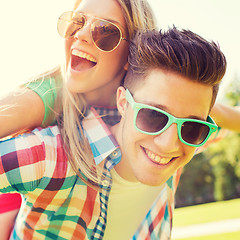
pixel 151 121
pixel 69 23
pixel 105 35
pixel 194 133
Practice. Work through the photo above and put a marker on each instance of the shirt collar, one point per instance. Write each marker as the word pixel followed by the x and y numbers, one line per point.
pixel 101 140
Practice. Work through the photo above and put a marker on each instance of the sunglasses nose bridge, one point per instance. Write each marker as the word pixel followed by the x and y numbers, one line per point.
pixel 173 120
pixel 177 122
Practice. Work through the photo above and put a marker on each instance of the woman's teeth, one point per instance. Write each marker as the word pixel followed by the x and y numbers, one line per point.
pixel 83 55
pixel 157 158
pixel 82 61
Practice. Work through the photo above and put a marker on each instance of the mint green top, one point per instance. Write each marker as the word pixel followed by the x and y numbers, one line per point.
pixel 46 89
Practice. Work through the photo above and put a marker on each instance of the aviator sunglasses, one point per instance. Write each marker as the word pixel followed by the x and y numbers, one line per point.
pixel 153 121
pixel 105 35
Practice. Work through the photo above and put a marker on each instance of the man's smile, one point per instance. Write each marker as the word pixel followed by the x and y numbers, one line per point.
pixel 157 158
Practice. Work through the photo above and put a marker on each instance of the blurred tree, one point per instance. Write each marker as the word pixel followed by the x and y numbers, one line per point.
pixel 224 159
pixel 197 182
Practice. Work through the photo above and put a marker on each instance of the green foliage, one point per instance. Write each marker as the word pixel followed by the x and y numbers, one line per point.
pixel 197 183
pixel 225 162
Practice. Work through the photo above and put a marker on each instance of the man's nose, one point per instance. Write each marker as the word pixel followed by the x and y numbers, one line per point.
pixel 168 140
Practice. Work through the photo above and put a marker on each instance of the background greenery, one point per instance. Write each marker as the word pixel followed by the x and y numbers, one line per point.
pixel 214 174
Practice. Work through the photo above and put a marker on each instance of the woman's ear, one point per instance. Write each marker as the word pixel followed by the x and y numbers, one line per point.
pixel 126 66
pixel 121 100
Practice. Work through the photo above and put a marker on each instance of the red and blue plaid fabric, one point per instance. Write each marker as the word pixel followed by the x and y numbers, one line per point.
pixel 59 205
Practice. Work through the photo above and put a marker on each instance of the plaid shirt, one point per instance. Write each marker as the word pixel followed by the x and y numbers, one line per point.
pixel 58 204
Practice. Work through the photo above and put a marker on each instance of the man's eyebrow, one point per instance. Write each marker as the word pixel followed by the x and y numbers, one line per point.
pixel 160 106
pixel 164 108
pixel 197 118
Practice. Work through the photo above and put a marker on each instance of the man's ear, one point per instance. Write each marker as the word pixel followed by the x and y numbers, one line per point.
pixel 121 100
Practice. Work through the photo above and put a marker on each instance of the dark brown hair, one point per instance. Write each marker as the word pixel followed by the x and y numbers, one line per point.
pixel 180 51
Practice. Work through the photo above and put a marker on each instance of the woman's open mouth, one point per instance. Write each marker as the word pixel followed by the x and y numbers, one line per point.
pixel 81 61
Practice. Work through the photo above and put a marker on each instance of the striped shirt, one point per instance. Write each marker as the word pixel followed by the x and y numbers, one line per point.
pixel 57 204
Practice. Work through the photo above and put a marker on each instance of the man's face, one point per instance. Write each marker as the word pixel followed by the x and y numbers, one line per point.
pixel 153 159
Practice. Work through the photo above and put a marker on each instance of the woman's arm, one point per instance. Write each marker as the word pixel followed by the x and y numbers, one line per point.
pixel 20 110
pixel 9 207
pixel 6 223
pixel 227 117
pixel 31 105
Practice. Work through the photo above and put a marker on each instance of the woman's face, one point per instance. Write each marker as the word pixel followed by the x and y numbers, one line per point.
pixel 90 71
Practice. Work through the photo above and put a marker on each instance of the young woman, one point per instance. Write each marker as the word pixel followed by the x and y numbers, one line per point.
pixel 95 65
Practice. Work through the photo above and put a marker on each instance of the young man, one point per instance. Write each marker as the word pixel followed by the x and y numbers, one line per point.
pixel 167 96
pixel 169 90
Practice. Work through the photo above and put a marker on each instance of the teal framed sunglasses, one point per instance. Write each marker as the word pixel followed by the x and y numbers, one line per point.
pixel 153 121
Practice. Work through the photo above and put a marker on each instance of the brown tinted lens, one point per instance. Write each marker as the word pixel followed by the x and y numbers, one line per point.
pixel 151 121
pixel 194 133
pixel 69 23
pixel 105 35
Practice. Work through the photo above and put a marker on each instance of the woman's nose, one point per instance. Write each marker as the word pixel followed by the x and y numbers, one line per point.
pixel 84 33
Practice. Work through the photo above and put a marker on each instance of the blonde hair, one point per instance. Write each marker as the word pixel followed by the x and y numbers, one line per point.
pixel 138 16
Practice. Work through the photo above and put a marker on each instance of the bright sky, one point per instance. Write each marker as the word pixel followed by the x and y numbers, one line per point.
pixel 30 43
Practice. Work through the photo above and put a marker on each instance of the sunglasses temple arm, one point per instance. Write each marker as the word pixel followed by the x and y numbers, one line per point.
pixel 217 132
pixel 129 97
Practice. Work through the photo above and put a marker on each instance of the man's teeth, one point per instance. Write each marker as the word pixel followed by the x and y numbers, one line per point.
pixel 83 55
pixel 156 158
